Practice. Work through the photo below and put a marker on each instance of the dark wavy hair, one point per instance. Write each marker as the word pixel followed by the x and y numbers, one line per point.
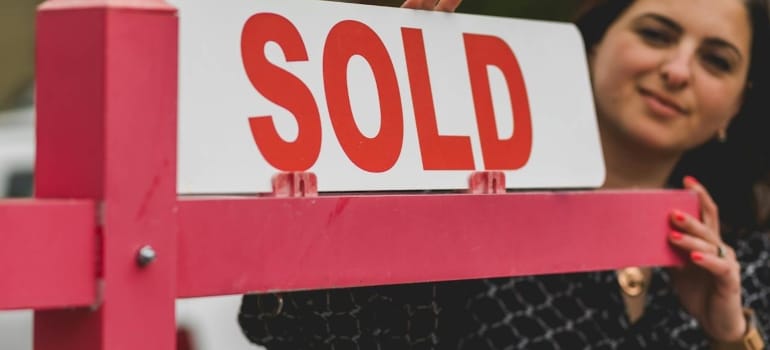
pixel 734 171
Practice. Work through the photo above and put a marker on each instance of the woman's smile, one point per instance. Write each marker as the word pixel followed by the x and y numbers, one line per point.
pixel 661 105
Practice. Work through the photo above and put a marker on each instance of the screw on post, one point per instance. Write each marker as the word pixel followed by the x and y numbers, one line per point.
pixel 146 256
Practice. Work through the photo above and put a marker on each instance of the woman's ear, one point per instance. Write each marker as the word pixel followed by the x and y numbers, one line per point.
pixel 591 52
pixel 746 90
pixel 741 101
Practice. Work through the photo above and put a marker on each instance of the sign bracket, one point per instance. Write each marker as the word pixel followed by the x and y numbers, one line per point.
pixel 486 182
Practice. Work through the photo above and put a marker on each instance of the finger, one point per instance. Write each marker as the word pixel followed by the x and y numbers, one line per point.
pixel 687 223
pixel 419 4
pixel 448 5
pixel 709 209
pixel 725 271
pixel 691 243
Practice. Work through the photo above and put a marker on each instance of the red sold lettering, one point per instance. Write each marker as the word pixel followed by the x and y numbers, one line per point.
pixel 439 152
pixel 381 152
pixel 512 153
pixel 345 40
pixel 283 89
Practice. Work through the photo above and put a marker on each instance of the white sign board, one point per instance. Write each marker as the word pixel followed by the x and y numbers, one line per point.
pixel 375 99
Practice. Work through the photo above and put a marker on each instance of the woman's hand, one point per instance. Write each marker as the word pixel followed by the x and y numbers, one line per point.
pixel 440 5
pixel 709 286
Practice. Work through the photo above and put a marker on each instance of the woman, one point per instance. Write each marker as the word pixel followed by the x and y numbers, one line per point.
pixel 680 88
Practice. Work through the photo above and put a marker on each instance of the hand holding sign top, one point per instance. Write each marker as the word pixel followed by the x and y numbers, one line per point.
pixel 440 5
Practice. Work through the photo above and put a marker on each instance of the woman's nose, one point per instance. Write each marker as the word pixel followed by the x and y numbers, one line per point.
pixel 676 70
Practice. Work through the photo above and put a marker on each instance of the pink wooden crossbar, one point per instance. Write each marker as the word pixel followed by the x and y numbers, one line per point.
pixel 48 254
pixel 107 135
pixel 232 246
pixel 244 245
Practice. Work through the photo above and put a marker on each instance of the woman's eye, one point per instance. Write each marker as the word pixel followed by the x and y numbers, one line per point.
pixel 718 62
pixel 655 36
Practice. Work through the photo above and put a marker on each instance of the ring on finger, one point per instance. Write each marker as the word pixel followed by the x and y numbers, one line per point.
pixel 721 250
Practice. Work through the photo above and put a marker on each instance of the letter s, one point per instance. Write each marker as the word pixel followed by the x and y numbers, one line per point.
pixel 283 89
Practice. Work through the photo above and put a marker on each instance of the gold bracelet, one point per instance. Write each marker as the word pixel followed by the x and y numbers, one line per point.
pixel 752 340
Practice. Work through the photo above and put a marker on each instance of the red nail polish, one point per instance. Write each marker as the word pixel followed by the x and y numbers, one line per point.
pixel 696 256
pixel 690 181
pixel 676 235
pixel 678 216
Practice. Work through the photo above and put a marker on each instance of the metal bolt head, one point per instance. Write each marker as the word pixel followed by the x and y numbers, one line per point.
pixel 146 256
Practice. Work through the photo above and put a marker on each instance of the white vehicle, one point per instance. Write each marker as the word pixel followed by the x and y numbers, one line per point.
pixel 17 149
pixel 211 323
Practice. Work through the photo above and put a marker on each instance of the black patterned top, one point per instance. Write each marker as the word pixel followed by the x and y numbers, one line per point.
pixel 572 311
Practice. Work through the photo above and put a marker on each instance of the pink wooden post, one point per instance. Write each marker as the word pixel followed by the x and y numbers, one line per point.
pixel 106 105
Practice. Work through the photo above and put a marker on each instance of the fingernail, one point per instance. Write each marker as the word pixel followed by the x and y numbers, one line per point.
pixel 696 256
pixel 679 216
pixel 690 181
pixel 676 235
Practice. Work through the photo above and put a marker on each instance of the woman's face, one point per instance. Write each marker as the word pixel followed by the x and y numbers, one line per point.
pixel 669 74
